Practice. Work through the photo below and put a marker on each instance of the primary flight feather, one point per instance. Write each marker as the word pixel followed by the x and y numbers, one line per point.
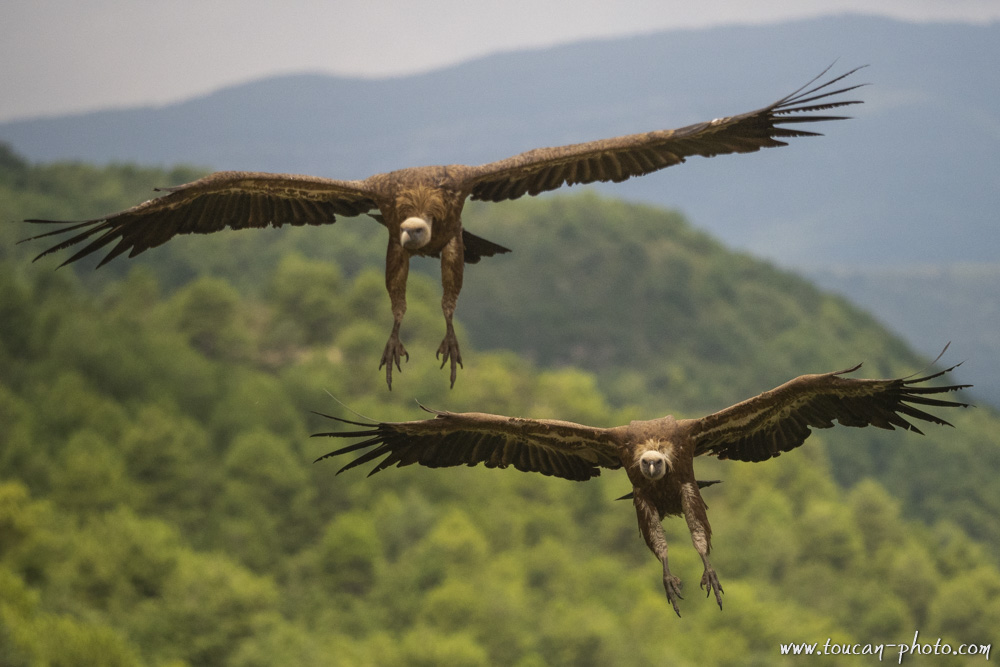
pixel 658 455
pixel 421 207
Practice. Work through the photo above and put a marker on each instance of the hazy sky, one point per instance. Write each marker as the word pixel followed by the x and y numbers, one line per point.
pixel 60 56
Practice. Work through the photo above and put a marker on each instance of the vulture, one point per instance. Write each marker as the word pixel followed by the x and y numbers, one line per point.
pixel 421 207
pixel 658 455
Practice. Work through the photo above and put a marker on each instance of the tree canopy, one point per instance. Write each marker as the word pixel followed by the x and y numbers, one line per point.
pixel 159 504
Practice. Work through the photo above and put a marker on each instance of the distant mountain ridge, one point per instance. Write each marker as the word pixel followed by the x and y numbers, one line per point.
pixel 913 158
pixel 913 179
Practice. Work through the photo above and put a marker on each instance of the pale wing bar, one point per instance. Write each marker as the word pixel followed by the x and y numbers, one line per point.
pixel 780 420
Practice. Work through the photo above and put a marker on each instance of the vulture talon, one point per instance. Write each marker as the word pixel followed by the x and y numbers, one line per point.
pixel 449 350
pixel 710 584
pixel 393 353
pixel 658 454
pixel 672 585
pixel 421 207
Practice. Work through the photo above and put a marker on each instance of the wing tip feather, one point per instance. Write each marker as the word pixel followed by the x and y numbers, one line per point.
pixel 763 430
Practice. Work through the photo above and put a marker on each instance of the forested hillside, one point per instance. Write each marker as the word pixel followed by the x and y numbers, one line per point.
pixel 159 504
pixel 863 193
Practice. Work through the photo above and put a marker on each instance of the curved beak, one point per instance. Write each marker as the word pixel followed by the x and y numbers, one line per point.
pixel 414 233
pixel 653 465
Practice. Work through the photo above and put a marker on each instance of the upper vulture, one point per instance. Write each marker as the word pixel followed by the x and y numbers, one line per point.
pixel 421 207
pixel 658 455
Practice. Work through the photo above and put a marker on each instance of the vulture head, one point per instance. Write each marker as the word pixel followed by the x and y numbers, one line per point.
pixel 655 460
pixel 415 233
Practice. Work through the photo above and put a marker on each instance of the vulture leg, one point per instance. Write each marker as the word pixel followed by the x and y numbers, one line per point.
pixel 452 266
pixel 397 268
pixel 701 535
pixel 652 532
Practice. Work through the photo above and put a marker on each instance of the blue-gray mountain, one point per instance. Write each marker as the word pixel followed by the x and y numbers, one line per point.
pixel 914 179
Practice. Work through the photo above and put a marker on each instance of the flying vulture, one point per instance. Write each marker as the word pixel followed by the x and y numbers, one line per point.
pixel 658 455
pixel 421 207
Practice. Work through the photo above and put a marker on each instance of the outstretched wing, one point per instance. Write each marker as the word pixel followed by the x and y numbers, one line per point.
pixel 623 157
pixel 779 420
pixel 232 199
pixel 551 447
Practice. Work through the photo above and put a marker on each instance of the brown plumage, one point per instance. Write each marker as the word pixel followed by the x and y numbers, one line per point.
pixel 657 455
pixel 421 207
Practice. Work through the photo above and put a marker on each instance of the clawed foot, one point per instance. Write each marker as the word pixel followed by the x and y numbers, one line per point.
pixel 710 584
pixel 449 350
pixel 394 352
pixel 672 585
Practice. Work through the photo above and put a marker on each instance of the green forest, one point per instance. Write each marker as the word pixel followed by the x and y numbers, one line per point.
pixel 159 504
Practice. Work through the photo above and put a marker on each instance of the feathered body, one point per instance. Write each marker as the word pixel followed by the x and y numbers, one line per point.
pixel 657 455
pixel 421 207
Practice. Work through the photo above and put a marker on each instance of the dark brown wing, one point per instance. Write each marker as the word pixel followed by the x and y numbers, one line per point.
pixel 620 158
pixel 779 420
pixel 232 199
pixel 557 448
